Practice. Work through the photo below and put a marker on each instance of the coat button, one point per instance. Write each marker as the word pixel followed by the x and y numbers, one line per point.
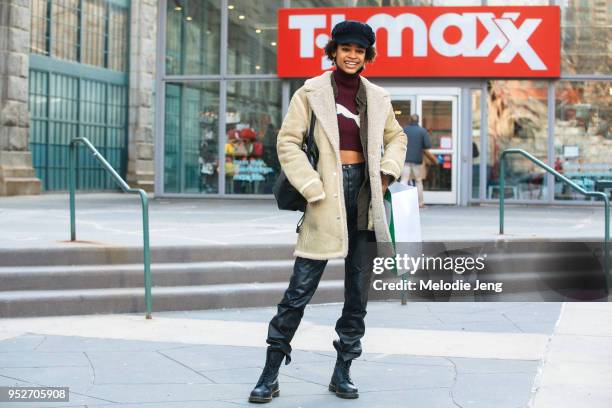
pixel 338 218
pixel 335 173
pixel 335 195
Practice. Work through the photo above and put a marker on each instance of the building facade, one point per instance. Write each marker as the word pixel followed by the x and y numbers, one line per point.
pixel 76 68
pixel 219 101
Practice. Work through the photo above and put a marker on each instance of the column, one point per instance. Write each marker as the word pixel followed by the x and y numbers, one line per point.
pixel 143 32
pixel 17 175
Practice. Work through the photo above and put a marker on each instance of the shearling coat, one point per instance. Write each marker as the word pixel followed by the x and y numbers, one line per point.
pixel 324 232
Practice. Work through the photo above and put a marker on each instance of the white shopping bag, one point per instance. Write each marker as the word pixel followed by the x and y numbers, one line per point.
pixel 402 210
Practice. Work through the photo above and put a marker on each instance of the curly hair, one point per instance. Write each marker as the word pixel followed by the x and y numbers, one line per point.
pixel 332 45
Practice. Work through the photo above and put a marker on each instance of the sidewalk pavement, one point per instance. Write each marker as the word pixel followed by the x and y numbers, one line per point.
pixel 421 355
pixel 480 355
pixel 540 355
pixel 114 219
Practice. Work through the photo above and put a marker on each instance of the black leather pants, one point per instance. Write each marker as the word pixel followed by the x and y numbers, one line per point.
pixel 307 274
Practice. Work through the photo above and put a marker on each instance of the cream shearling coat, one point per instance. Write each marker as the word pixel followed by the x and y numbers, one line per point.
pixel 324 232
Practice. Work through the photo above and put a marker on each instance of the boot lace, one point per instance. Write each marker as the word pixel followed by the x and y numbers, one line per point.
pixel 345 367
pixel 268 375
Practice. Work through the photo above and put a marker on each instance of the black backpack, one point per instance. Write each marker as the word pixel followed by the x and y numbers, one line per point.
pixel 287 197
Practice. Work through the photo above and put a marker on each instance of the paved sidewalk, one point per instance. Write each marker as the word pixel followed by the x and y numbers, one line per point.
pixel 421 355
pixel 115 220
pixel 577 366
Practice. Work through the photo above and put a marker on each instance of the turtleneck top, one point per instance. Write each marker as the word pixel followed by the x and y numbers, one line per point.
pixel 346 110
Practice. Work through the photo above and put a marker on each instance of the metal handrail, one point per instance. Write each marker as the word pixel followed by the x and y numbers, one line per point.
pixel 604 197
pixel 126 188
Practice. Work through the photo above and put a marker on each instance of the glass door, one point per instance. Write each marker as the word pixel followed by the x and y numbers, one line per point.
pixel 404 106
pixel 438 114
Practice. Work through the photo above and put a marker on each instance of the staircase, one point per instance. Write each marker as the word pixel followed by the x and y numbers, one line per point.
pixel 53 282
pixel 71 281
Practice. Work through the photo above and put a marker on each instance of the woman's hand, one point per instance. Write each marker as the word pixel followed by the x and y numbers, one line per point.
pixel 385 180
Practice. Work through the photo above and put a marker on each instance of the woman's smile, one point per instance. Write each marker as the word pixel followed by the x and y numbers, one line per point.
pixel 350 58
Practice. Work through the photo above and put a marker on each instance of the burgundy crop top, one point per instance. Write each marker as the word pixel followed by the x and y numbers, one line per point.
pixel 346 110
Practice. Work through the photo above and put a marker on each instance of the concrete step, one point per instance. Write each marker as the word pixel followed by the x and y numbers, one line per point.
pixel 163 274
pixel 13 186
pixel 86 280
pixel 131 300
pixel 78 254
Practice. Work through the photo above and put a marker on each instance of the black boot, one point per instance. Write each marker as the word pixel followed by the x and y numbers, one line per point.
pixel 267 386
pixel 341 382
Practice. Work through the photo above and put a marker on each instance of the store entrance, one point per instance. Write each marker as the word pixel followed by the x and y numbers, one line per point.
pixel 438 112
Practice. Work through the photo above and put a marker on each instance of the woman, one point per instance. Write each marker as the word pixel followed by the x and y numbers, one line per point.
pixel 345 211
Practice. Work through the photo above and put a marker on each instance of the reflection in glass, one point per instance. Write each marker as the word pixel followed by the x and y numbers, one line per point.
pixel 475 143
pixel 253 118
pixel 439 176
pixel 64 29
pixel 387 3
pixel 402 111
pixel 586 33
pixel 517 117
pixel 583 135
pixel 93 32
pixel 39 23
pixel 118 25
pixel 314 3
pixel 252 37
pixel 517 3
pixel 295 84
pixel 192 37
pixel 437 118
pixel 191 163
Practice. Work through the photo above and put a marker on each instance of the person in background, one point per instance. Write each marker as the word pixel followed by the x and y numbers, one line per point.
pixel 418 145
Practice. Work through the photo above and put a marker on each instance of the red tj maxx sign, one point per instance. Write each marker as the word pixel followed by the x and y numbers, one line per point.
pixel 430 41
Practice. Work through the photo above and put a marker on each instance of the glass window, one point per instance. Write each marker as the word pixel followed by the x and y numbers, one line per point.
pixel 192 37
pixel 252 36
pixel 518 2
pixel 191 161
pixel 585 36
pixel 438 119
pixel 40 24
pixel 387 3
pixel 93 32
pixel 583 135
pixel 64 29
pixel 517 117
pixel 118 24
pixel 402 109
pixel 476 142
pixel 317 3
pixel 253 118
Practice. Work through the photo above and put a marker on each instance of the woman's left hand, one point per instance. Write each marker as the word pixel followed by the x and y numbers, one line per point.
pixel 385 181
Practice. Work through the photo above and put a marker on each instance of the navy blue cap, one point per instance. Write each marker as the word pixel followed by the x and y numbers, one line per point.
pixel 354 32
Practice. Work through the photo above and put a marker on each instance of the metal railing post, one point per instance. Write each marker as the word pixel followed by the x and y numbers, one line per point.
pixel 72 187
pixel 607 240
pixel 146 253
pixel 502 192
pixel 564 179
pixel 126 188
